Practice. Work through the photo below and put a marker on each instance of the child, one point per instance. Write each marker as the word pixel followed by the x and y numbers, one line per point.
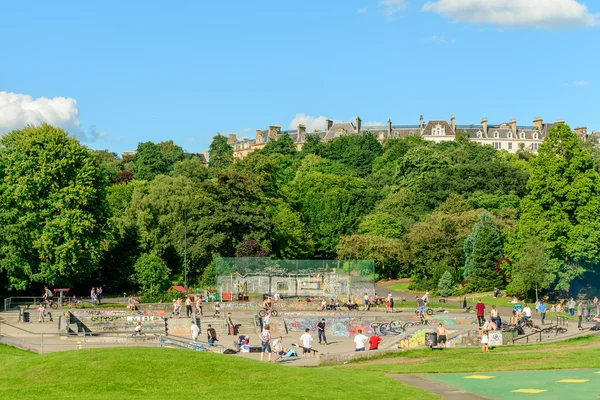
pixel 41 310
pixel 217 309
pixel 484 342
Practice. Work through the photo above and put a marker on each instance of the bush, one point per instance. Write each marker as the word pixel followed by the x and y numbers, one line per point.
pixel 160 296
pixel 445 285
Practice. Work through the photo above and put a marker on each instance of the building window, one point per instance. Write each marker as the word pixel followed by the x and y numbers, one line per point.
pixel 510 135
pixel 534 146
pixel 496 135
pixel 522 135
pixel 536 136
pixel 479 134
pixel 497 145
pixel 510 145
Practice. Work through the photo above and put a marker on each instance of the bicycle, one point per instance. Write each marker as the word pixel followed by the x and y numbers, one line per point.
pixel 51 303
pixel 427 311
pixel 262 313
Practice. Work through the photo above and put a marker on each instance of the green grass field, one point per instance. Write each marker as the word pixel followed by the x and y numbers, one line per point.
pixel 583 352
pixel 399 287
pixel 154 373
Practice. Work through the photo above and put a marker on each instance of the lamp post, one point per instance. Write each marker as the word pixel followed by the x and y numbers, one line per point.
pixel 185 248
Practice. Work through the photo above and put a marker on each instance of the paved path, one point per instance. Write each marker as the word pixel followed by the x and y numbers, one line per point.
pixel 447 392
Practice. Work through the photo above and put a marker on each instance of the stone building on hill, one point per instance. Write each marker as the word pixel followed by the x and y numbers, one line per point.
pixel 506 136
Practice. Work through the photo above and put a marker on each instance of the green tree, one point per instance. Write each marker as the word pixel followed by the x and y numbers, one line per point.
pixel 283 145
pixel 385 252
pixel 313 145
pixel 290 239
pixel 483 249
pixel 220 153
pixel 356 151
pixel 382 224
pixel 151 273
pixel 171 153
pixel 533 271
pixel 563 204
pixel 192 168
pixel 53 210
pixel 149 162
pixel 446 285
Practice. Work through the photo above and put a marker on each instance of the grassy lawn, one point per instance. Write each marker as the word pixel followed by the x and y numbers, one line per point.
pixel 571 354
pixel 399 287
pixel 154 373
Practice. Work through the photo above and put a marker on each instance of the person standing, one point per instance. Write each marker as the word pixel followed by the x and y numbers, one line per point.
pixel 306 340
pixel 99 294
pixel 265 338
pixel 572 305
pixel 195 331
pixel 93 296
pixel 441 335
pixel 321 331
pixel 480 307
pixel 366 298
pixel 42 311
pixel 230 325
pixel 188 306
pixel 484 342
pixel 211 334
pixel 359 341
pixel 391 299
pixel 542 309
pixel 199 305
pixel 579 314
pixel 374 341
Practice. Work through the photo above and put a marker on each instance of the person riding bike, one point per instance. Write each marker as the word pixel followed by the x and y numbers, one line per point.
pixel 526 315
pixel 267 305
pixel 420 307
pixel 47 295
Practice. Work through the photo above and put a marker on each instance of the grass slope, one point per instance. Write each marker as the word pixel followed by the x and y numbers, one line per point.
pixel 581 352
pixel 154 373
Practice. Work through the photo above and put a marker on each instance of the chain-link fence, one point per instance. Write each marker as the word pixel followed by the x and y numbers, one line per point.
pixel 311 278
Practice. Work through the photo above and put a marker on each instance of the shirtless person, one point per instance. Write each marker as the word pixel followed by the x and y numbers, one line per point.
pixel 441 336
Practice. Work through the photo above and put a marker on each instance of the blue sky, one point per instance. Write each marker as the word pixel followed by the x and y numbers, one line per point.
pixel 115 73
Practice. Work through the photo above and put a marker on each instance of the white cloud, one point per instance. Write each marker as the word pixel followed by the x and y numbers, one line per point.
pixel 312 123
pixel 580 83
pixel 18 110
pixel 371 123
pixel 440 40
pixel 362 11
pixel 524 13
pixel 391 7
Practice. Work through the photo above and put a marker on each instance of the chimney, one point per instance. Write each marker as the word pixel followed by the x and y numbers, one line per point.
pixel 328 125
pixel 421 122
pixel 484 126
pixel 559 121
pixel 258 136
pixel 537 124
pixel 232 138
pixel 581 132
pixel 357 124
pixel 301 129
pixel 453 123
pixel 205 154
pixel 389 133
pixel 274 132
pixel 513 126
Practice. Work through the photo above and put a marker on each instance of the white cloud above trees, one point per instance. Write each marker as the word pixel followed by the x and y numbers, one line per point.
pixel 547 14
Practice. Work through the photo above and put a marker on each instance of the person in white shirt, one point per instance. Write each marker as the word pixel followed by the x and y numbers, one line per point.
pixel 306 340
pixel 278 345
pixel 195 331
pixel 360 340
pixel 138 329
pixel 526 314
pixel 425 298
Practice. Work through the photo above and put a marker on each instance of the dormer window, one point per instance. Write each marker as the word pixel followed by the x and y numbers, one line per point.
pixel 536 136
pixel 522 135
pixel 479 135
pixel 510 135
pixel 438 130
pixel 496 135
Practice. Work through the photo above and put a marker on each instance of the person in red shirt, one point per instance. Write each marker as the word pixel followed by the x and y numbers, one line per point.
pixel 374 342
pixel 480 307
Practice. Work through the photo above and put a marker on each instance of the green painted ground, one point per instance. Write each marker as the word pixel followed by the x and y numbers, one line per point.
pixel 502 385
